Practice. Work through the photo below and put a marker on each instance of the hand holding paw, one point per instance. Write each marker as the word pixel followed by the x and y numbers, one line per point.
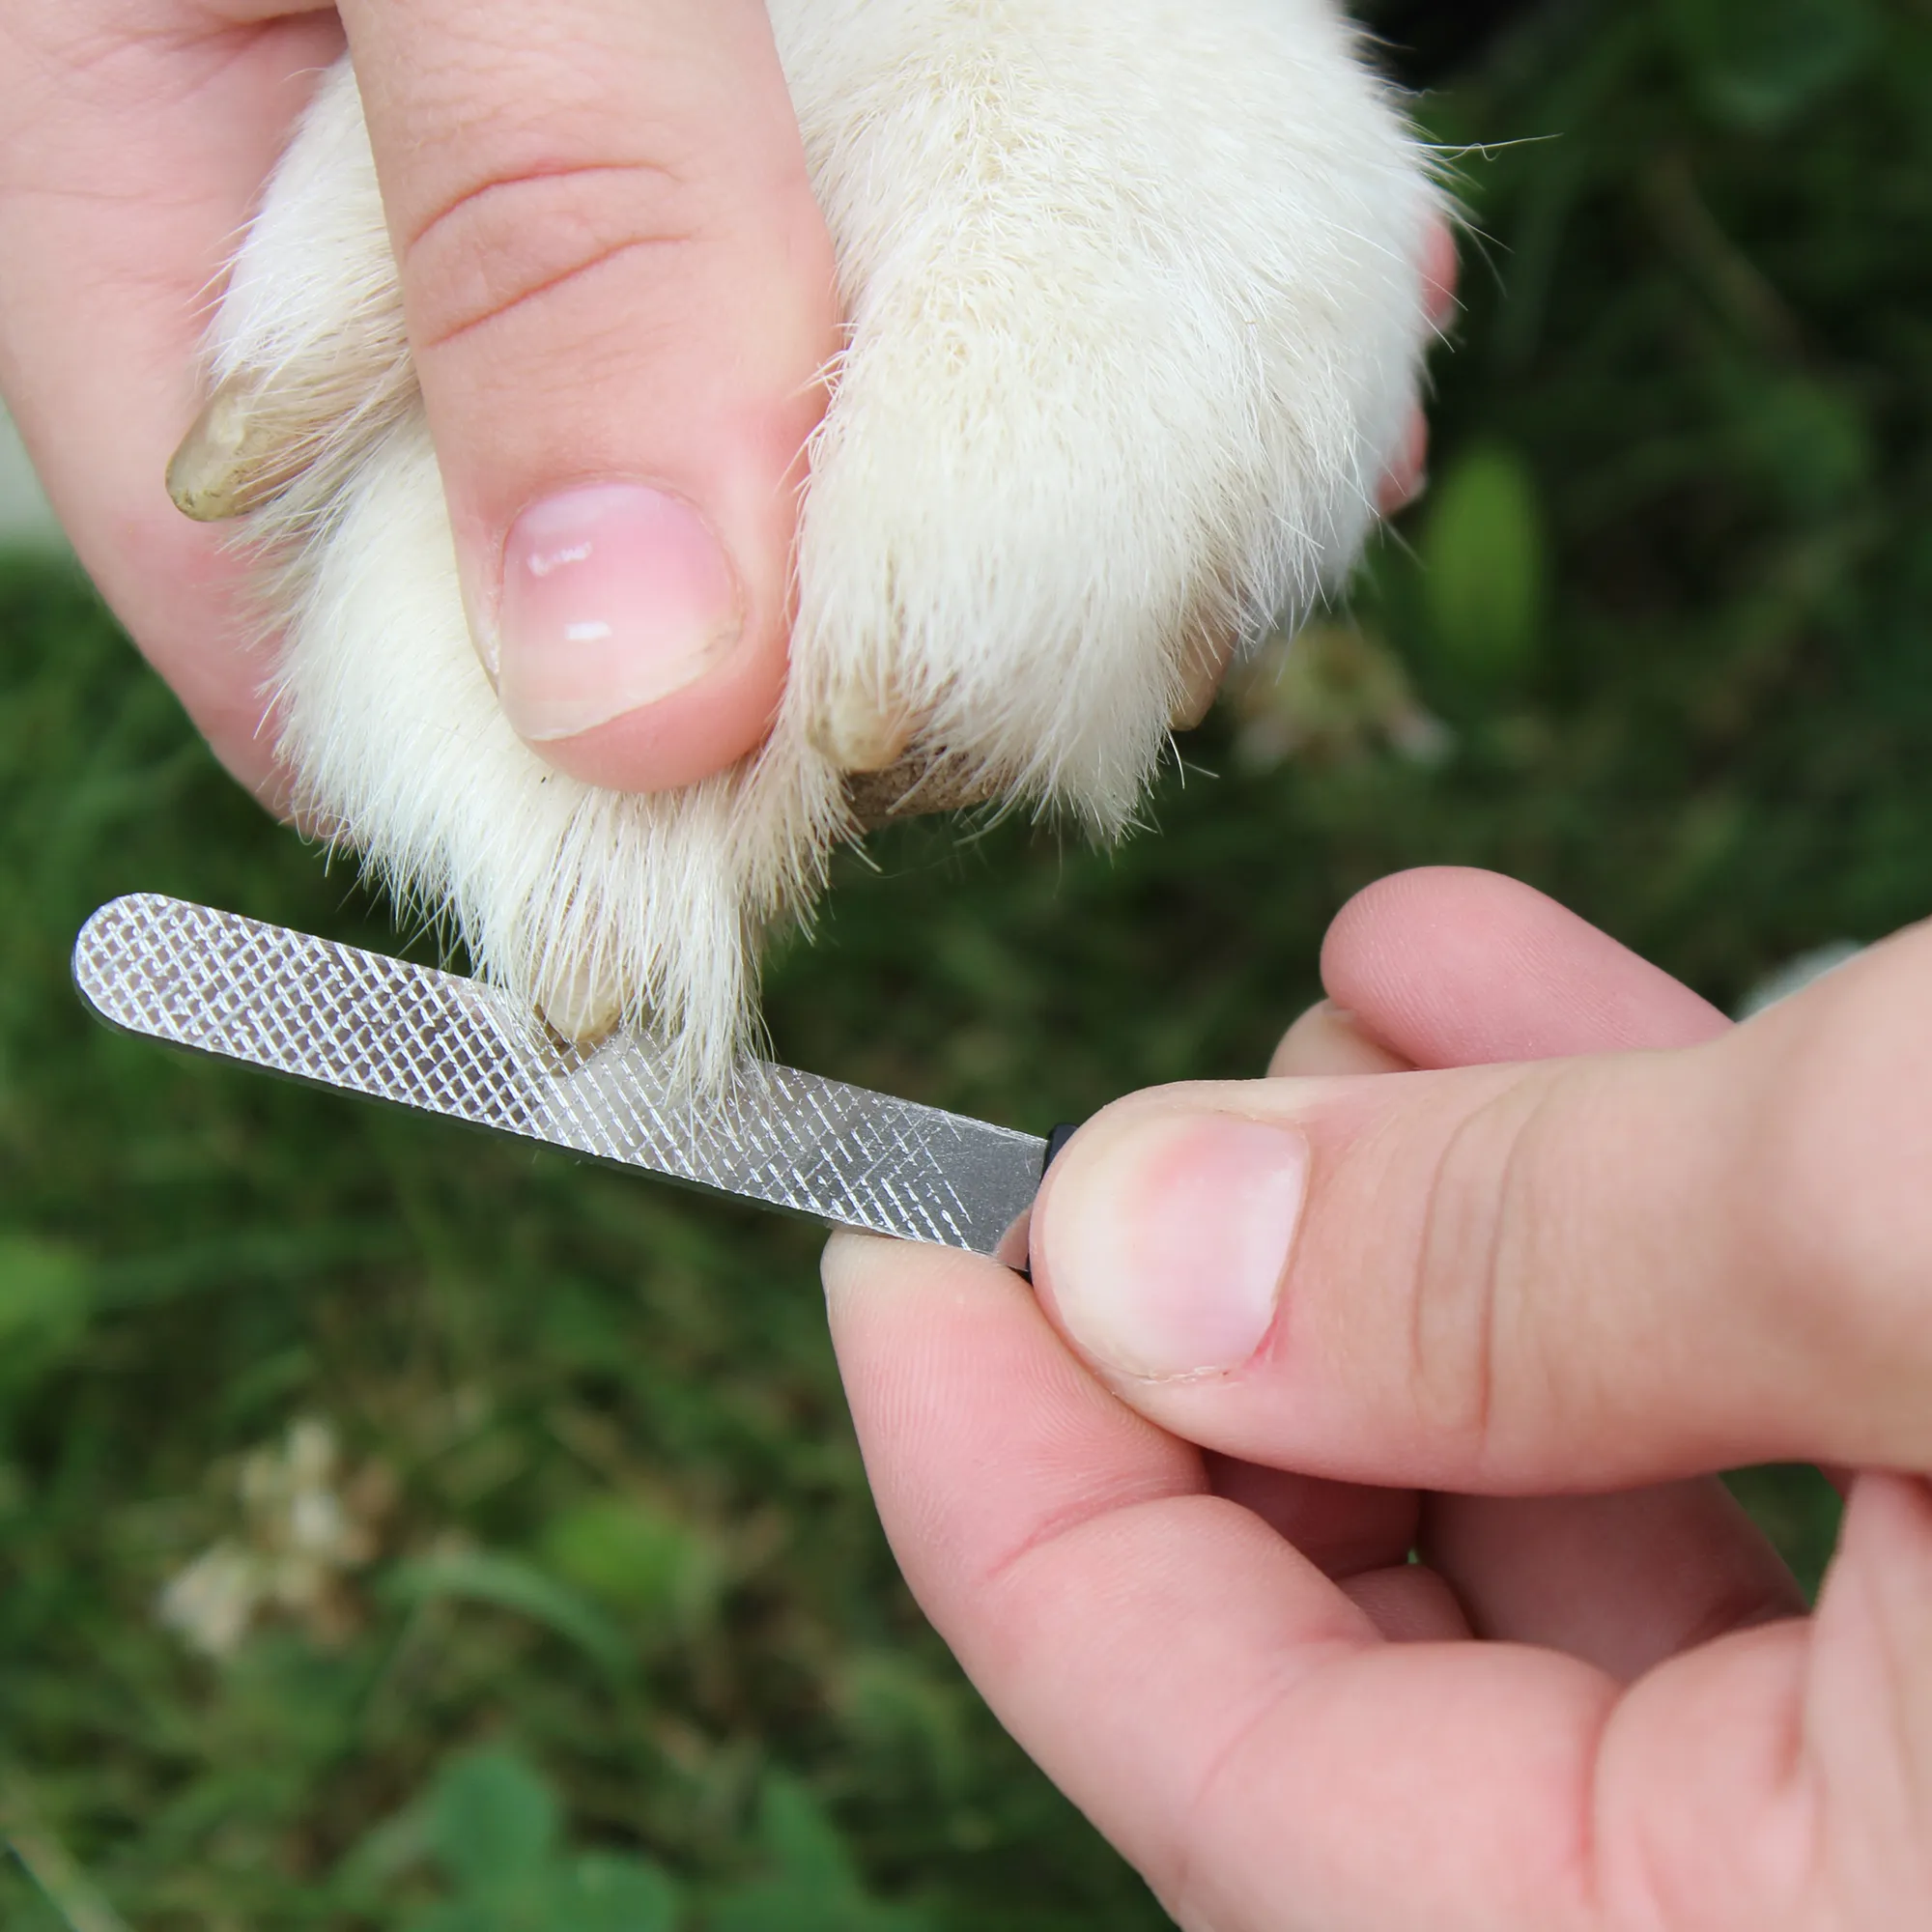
pixel 671 436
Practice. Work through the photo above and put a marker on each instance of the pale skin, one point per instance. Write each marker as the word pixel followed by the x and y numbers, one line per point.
pixel 612 268
pixel 1532 1301
pixel 583 195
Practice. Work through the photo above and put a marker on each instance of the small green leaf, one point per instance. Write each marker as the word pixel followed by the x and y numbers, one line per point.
pixel 44 1288
pixel 1484 566
pixel 602 1893
pixel 492 1823
pixel 815 1886
pixel 634 1557
pixel 458 1915
pixel 508 1583
pixel 802 1838
pixel 46 1293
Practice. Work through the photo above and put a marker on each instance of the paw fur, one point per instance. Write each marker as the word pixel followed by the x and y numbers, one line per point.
pixel 1135 315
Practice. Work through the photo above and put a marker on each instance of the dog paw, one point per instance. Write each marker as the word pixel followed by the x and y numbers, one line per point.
pixel 1135 314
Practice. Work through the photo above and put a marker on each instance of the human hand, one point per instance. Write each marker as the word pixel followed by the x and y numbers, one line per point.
pixel 613 266
pixel 1527 1308
pixel 612 261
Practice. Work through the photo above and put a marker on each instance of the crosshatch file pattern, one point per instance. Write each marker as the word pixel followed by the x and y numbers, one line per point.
pixel 341 1017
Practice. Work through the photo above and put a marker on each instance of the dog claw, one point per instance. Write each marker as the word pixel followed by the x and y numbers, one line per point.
pixel 240 452
pixel 862 732
pixel 580 1007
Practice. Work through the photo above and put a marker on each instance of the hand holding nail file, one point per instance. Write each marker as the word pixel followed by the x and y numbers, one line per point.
pixel 219 984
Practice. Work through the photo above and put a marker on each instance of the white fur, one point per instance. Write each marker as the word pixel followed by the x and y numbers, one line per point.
pixel 1135 319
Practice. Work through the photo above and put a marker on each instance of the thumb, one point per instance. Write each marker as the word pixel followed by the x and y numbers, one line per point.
pixel 1575 1274
pixel 620 298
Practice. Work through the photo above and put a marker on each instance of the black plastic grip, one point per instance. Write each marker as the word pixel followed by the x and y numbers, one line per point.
pixel 1055 1141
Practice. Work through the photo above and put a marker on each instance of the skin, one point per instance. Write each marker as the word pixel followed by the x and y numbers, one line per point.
pixel 612 263
pixel 1641 1246
pixel 612 269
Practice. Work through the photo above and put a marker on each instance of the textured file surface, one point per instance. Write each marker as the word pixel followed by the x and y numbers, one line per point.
pixel 369 1024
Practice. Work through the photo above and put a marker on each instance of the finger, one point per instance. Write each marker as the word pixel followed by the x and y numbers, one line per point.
pixel 620 300
pixel 1407 476
pixel 1342 1528
pixel 1580 1274
pixel 1441 269
pixel 1621 1581
pixel 1868 1709
pixel 1360 1538
pixel 1360 1535
pixel 126 172
pixel 1448 967
pixel 1461 967
pixel 1329 1039
pixel 1212 1702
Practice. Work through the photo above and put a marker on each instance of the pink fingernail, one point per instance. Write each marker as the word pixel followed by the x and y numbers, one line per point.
pixel 1406 480
pixel 1439 265
pixel 1165 1254
pixel 614 595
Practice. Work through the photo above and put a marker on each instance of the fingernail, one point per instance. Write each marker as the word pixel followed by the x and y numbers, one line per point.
pixel 1408 477
pixel 1165 1256
pixel 1440 266
pixel 614 595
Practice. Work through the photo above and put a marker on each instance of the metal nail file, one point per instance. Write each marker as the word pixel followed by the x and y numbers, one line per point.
pixel 361 1022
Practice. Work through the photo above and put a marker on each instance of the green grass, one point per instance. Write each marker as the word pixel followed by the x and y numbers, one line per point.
pixel 631 1606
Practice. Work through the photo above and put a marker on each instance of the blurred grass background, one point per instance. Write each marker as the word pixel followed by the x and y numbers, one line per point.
pixel 595 1627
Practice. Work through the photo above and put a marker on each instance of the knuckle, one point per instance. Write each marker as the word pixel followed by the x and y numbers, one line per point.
pixel 512 238
pixel 1474 1250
